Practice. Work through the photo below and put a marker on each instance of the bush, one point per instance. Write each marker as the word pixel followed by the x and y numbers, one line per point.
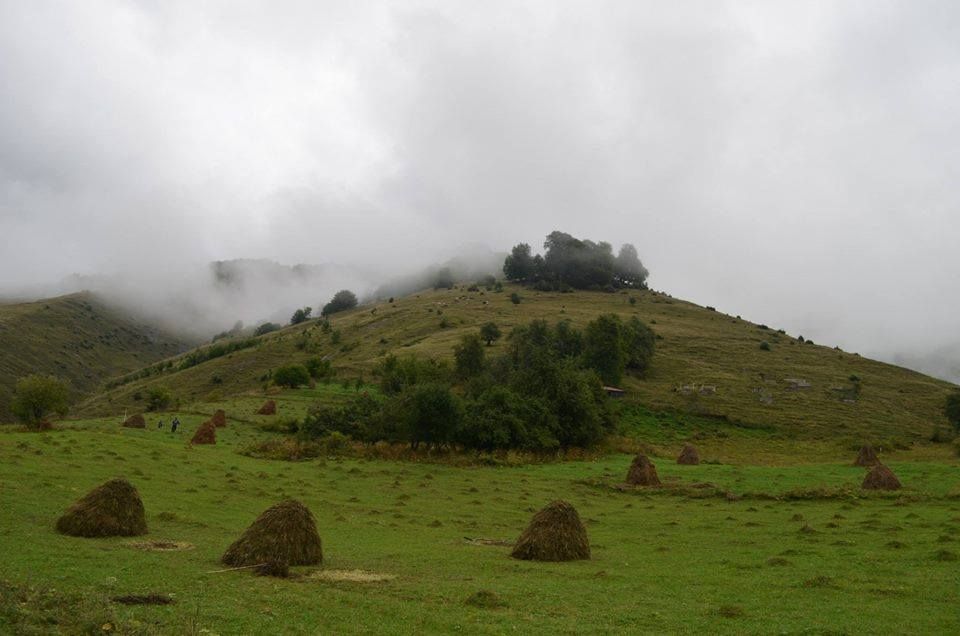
pixel 765 346
pixel 490 332
pixel 603 349
pixel 291 376
pixel 515 298
pixel 341 301
pixel 397 374
pixel 319 368
pixel 159 398
pixel 35 396
pixel 300 315
pixel 951 409
pixel 469 356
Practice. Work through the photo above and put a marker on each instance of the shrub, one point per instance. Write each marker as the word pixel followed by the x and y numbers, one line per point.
pixel 159 398
pixel 428 414
pixel 951 409
pixel 341 301
pixel 603 349
pixel 469 356
pixel 515 298
pixel 490 332
pixel 396 374
pixel 300 315
pixel 37 395
pixel 765 346
pixel 291 376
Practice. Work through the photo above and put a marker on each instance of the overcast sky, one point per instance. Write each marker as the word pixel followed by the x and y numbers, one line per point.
pixel 793 162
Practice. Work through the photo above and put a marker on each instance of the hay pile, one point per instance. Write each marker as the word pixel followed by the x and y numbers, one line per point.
pixel 881 478
pixel 689 456
pixel 135 421
pixel 282 535
pixel 269 408
pixel 206 434
pixel 219 419
pixel 642 472
pixel 555 534
pixel 112 509
pixel 867 456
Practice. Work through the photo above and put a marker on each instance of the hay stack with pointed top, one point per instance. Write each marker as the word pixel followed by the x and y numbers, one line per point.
pixel 642 472
pixel 689 456
pixel 219 418
pixel 283 535
pixel 269 408
pixel 206 434
pixel 555 534
pixel 135 421
pixel 867 456
pixel 881 478
pixel 112 509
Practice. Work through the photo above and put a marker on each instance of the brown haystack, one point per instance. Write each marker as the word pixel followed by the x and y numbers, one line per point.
pixel 112 509
pixel 206 434
pixel 219 419
pixel 269 408
pixel 283 534
pixel 689 455
pixel 135 421
pixel 867 456
pixel 881 478
pixel 555 534
pixel 642 472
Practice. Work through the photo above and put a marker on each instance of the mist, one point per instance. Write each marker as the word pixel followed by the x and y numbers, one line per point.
pixel 793 162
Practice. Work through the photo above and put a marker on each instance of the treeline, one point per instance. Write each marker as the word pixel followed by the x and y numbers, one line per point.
pixel 543 392
pixel 571 263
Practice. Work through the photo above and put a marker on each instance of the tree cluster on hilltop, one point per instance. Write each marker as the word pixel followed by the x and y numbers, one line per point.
pixel 572 263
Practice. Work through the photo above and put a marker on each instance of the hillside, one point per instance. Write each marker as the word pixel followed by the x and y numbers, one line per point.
pixel 77 338
pixel 707 362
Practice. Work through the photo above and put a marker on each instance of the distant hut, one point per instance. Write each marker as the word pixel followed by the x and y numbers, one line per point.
pixel 881 478
pixel 689 455
pixel 283 535
pixel 642 472
pixel 554 534
pixel 112 509
pixel 614 392
pixel 867 456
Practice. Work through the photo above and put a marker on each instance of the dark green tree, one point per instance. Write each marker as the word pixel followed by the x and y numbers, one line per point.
pixel 628 270
pixel 159 398
pixel 951 409
pixel 490 332
pixel 341 301
pixel 639 343
pixel 300 315
pixel 265 328
pixel 36 396
pixel 469 356
pixel 603 349
pixel 519 265
pixel 291 376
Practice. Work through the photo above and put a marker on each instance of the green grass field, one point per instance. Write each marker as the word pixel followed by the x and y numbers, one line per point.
pixel 683 559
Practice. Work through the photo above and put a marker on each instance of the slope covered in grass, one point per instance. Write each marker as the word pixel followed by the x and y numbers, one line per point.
pixel 706 363
pixel 77 338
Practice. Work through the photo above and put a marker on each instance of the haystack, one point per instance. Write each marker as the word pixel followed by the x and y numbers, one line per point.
pixel 642 472
pixel 284 534
pixel 867 456
pixel 135 421
pixel 219 419
pixel 112 509
pixel 206 434
pixel 881 478
pixel 555 534
pixel 689 455
pixel 269 408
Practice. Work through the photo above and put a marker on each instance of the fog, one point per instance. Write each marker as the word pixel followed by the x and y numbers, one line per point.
pixel 792 162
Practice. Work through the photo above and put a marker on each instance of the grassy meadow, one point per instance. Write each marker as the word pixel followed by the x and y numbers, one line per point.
pixel 795 547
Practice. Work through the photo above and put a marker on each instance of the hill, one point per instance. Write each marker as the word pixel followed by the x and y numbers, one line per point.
pixel 78 338
pixel 707 363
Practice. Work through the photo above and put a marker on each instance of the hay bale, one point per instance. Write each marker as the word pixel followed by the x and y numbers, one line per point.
pixel 219 419
pixel 135 421
pixel 275 567
pixel 867 456
pixel 642 472
pixel 206 434
pixel 689 456
pixel 269 408
pixel 285 533
pixel 881 478
pixel 112 509
pixel 555 534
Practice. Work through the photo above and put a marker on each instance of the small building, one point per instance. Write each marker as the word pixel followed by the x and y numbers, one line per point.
pixel 614 392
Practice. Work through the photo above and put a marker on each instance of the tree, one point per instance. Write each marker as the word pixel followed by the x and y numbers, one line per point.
pixel 429 413
pixel 159 398
pixel 443 279
pixel 951 409
pixel 265 328
pixel 628 270
pixel 639 343
pixel 300 315
pixel 341 301
pixel 518 265
pixel 38 395
pixel 291 376
pixel 603 349
pixel 490 332
pixel 469 356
